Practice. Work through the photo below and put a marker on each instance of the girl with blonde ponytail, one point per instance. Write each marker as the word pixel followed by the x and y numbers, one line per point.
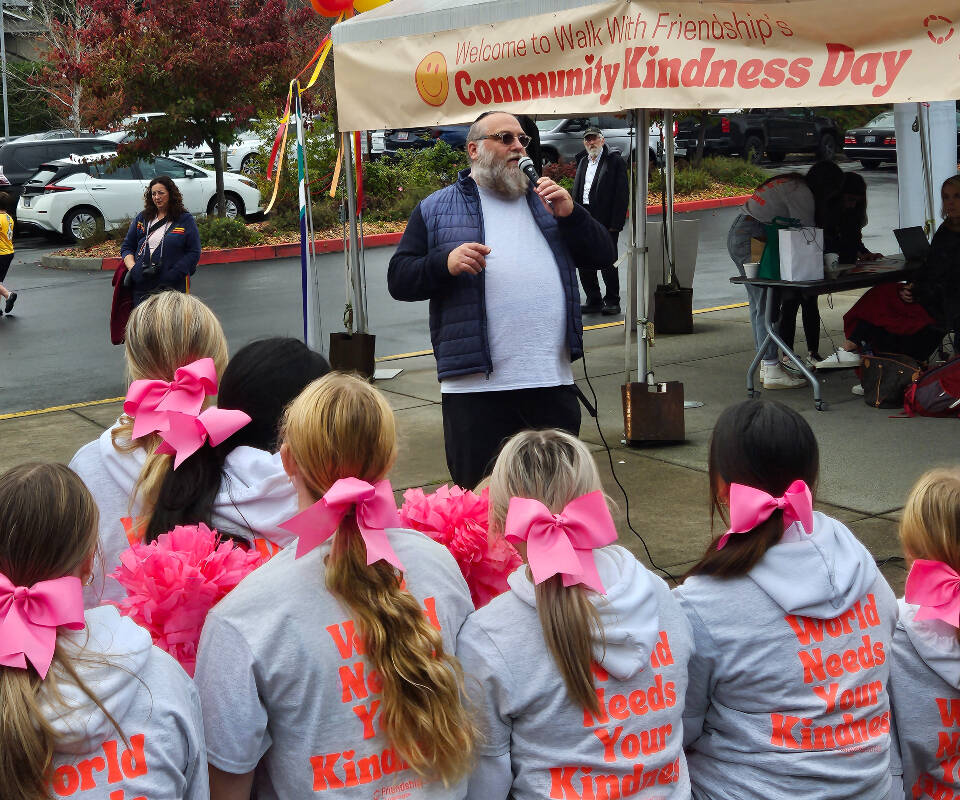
pixel 330 668
pixel 580 670
pixel 86 701
pixel 165 332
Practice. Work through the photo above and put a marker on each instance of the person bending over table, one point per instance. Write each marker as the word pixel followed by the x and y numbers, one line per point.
pixel 793 196
pixel 910 318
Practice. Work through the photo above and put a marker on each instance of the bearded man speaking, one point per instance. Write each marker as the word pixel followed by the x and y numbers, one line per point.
pixel 496 257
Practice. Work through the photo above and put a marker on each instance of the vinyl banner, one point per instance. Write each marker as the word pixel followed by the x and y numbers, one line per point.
pixel 620 55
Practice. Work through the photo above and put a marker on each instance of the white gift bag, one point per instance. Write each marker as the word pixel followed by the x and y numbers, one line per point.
pixel 801 254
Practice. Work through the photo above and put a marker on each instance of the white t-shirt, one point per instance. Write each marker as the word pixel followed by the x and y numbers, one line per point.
pixel 526 307
pixel 283 685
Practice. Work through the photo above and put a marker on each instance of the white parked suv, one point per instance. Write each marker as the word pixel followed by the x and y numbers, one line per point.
pixel 241 156
pixel 80 195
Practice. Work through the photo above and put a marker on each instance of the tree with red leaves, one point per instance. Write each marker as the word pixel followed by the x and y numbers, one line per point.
pixel 208 65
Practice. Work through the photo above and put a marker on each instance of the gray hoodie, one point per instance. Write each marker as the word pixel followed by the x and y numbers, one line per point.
pixel 925 695
pixel 162 756
pixel 537 742
pixel 254 498
pixel 787 691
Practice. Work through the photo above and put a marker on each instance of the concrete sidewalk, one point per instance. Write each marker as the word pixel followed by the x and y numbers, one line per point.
pixel 869 458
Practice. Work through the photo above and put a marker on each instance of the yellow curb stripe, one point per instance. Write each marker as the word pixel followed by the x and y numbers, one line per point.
pixel 414 354
pixel 397 357
pixel 67 407
pixel 719 308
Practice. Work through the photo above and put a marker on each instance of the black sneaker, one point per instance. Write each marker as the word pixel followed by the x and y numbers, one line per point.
pixel 610 310
pixel 10 301
pixel 591 308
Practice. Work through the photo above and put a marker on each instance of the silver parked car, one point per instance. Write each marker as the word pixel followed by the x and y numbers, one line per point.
pixel 561 140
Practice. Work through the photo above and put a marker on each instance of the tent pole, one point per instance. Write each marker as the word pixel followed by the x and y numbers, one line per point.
pixel 630 295
pixel 359 303
pixel 638 256
pixel 669 234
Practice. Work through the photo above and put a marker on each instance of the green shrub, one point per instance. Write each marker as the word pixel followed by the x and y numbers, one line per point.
pixel 393 186
pixel 734 171
pixel 691 180
pixel 226 232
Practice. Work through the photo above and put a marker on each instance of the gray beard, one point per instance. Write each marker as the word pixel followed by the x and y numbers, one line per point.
pixel 501 177
pixel 593 152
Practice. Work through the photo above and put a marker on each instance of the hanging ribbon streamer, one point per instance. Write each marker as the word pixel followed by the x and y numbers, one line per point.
pixel 321 56
pixel 279 145
pixel 336 172
pixel 280 141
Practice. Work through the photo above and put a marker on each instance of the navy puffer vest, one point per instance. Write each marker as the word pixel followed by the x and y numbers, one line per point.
pixel 458 322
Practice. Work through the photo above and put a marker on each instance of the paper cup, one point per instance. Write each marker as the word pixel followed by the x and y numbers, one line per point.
pixel 750 269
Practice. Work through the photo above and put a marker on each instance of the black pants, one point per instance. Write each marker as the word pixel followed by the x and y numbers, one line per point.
pixel 476 424
pixel 790 301
pixel 917 345
pixel 611 280
pixel 5 265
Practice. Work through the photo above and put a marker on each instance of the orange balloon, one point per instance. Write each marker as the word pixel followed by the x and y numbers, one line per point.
pixel 366 5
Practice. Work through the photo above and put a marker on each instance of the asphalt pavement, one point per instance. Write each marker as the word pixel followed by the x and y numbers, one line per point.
pixel 55 348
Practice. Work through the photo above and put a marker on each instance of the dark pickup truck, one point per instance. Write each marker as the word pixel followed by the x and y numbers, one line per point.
pixel 754 131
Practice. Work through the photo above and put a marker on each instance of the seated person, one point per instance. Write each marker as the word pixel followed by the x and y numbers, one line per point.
pixel 910 318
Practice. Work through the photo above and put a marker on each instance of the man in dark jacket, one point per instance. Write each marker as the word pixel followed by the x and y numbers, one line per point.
pixel 496 257
pixel 601 185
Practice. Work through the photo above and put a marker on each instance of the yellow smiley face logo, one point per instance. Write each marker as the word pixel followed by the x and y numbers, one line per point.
pixel 431 78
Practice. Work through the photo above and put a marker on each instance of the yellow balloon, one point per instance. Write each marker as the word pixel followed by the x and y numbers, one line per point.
pixel 366 5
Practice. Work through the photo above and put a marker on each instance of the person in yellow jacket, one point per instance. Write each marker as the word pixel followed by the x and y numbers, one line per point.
pixel 6 251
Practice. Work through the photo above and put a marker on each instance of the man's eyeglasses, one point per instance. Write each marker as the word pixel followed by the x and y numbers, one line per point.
pixel 507 138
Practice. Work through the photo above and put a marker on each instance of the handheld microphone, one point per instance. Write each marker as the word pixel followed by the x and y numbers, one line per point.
pixel 526 166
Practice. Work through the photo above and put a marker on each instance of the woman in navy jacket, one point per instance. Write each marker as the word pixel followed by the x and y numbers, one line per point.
pixel 162 246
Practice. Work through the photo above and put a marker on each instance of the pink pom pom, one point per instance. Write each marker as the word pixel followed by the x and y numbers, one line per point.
pixel 173 582
pixel 457 518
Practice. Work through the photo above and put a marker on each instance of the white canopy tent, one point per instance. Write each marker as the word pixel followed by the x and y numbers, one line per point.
pixel 429 62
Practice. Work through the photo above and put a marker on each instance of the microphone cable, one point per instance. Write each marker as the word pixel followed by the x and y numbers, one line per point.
pixel 593 410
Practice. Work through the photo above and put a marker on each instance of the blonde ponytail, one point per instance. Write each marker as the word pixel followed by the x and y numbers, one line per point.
pixel 570 627
pixel 27 740
pixel 341 427
pixel 554 467
pixel 165 332
pixel 48 528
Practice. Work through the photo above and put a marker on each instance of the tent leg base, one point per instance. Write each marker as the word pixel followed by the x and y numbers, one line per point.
pixel 652 413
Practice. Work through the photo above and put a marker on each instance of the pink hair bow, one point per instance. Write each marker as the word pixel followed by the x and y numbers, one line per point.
pixel 562 544
pixel 935 587
pixel 30 615
pixel 749 507
pixel 376 511
pixel 186 433
pixel 149 402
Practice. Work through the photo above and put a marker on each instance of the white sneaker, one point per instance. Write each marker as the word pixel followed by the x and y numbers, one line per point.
pixel 776 377
pixel 857 389
pixel 791 368
pixel 841 359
